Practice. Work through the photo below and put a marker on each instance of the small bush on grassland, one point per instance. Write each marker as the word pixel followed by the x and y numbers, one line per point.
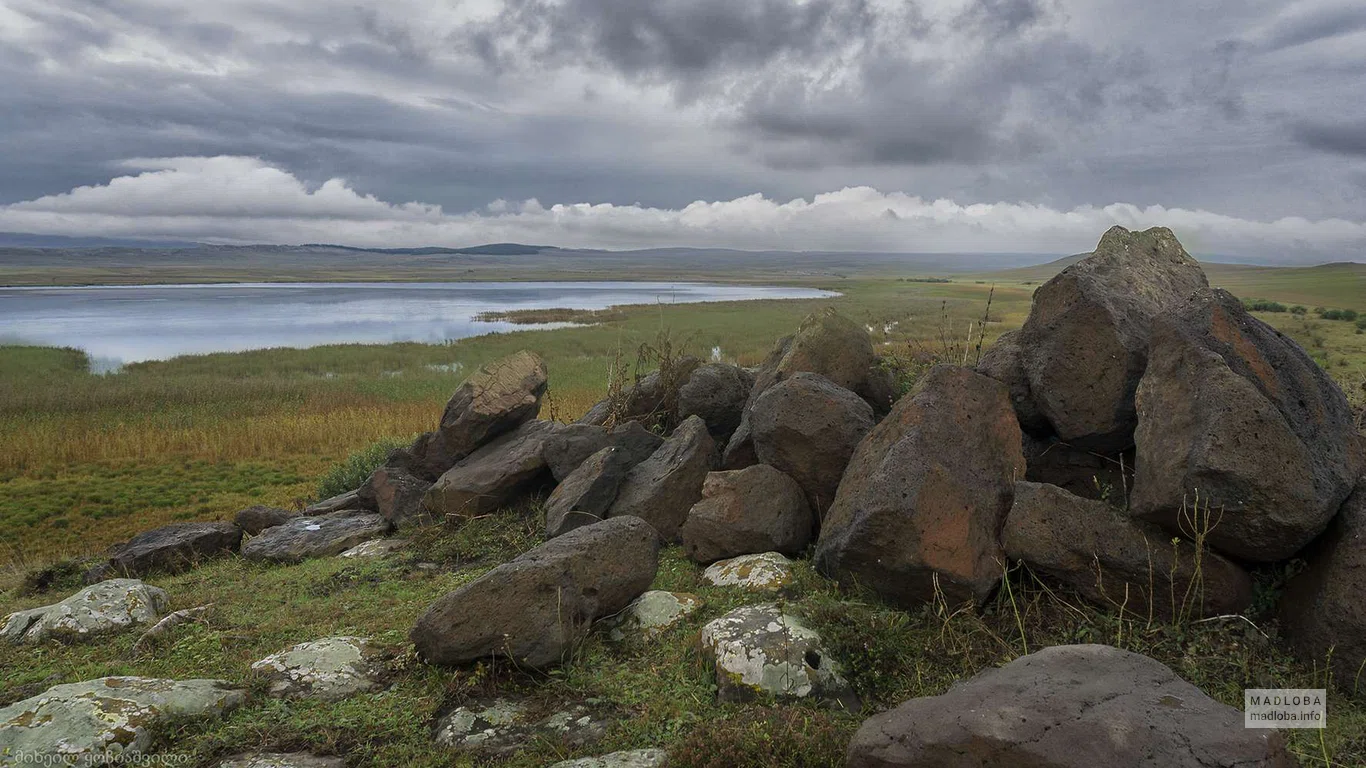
pixel 780 737
pixel 352 472
pixel 1263 305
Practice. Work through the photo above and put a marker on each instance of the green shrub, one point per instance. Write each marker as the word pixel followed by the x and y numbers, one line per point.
pixel 352 472
pixel 1263 305
pixel 1298 309
pixel 1349 315
pixel 1332 314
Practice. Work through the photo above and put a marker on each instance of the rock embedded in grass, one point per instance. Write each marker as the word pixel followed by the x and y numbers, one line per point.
pixel 172 548
pixel 376 548
pixel 501 727
pixel 661 489
pixel 87 721
pixel 105 608
pixel 764 572
pixel 1117 562
pixel 315 536
pixel 651 615
pixel 398 496
pixel 536 607
pixel 747 511
pixel 280 760
pixel 920 508
pixel 329 669
pixel 807 426
pixel 1070 706
pixel 760 650
pixel 635 758
pixel 1234 417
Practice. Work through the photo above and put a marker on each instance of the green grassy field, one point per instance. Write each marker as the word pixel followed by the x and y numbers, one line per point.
pixel 89 460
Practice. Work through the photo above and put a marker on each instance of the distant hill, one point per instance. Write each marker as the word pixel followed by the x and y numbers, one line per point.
pixel 490 249
pixel 25 240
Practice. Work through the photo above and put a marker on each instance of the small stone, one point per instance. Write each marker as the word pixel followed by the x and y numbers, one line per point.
pixel 501 727
pixel 305 537
pixel 330 669
pixel 635 758
pixel 104 608
pixel 759 649
pixel 651 614
pixel 768 571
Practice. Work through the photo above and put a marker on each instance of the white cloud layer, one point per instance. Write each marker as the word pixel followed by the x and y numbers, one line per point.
pixel 230 199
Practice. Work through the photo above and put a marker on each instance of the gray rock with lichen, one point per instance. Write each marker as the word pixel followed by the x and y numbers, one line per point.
pixel 91 720
pixel 330 669
pixel 501 726
pixel 281 760
pixel 104 608
pixel 764 572
pixel 635 758
pixel 651 614
pixel 760 650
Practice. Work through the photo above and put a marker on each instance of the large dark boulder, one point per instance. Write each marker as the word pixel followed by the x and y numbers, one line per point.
pixel 661 489
pixel 807 426
pixel 1069 706
pixel 309 536
pixel 745 512
pixel 826 343
pixel 1084 345
pixel 923 499
pixel 587 494
pixel 652 399
pixel 1241 433
pixel 496 399
pixel 398 496
pixel 1004 362
pixel 1322 611
pixel 173 548
pixel 573 444
pixel 1117 562
pixel 255 519
pixel 495 475
pixel 537 606
pixel 716 393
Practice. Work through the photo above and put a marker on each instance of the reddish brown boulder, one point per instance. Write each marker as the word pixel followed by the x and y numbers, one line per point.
pixel 495 475
pixel 1117 562
pixel 585 496
pixel 926 492
pixel 745 512
pixel 1004 362
pixel 1240 428
pixel 1085 343
pixel 398 496
pixel 496 399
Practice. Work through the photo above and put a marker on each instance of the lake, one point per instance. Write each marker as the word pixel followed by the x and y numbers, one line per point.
pixel 125 324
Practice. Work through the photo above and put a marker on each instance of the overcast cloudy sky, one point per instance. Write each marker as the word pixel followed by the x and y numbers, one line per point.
pixel 925 125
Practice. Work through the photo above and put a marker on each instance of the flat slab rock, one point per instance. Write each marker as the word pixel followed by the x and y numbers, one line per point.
pixel 652 614
pixel 502 726
pixel 330 669
pixel 764 572
pixel 173 548
pixel 281 760
pixel 1069 706
pixel 635 758
pixel 84 721
pixel 302 538
pixel 100 609
pixel 759 649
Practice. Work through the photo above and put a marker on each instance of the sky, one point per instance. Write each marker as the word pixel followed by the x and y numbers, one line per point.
pixel 918 125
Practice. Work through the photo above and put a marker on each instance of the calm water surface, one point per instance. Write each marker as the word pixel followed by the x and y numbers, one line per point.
pixel 124 324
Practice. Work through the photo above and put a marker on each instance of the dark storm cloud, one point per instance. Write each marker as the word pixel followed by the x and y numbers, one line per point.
pixel 1347 139
pixel 667 38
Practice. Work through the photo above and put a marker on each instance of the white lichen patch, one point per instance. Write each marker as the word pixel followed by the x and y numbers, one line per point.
pixel 502 726
pixel 109 606
pixel 281 760
pixel 330 669
pixel 651 614
pixel 376 548
pixel 759 649
pixel 109 716
pixel 767 572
